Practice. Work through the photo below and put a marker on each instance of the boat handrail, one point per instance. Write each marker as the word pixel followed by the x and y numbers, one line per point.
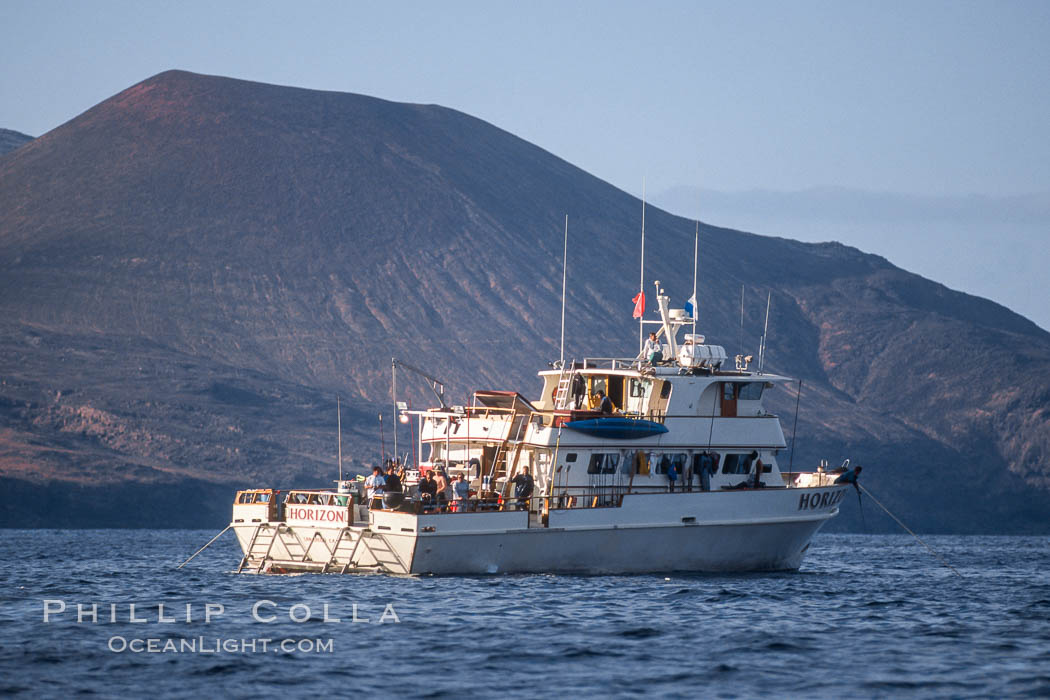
pixel 613 362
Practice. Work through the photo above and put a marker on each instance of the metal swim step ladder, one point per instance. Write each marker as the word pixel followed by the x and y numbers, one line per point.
pixel 266 535
pixel 386 558
pixel 344 549
pixel 345 555
pixel 261 542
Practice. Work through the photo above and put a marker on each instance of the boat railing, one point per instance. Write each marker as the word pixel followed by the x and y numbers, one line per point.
pixel 564 498
pixel 610 363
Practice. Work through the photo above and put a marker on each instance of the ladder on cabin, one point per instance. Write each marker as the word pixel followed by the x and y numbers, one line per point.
pixel 564 389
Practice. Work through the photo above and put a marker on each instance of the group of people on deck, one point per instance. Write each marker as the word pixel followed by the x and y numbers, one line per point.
pixel 436 491
pixel 387 486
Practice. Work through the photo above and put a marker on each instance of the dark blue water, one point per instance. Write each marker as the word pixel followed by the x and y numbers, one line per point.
pixel 867 616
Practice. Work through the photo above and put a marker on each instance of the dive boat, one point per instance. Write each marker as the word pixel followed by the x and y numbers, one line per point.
pixel 683 475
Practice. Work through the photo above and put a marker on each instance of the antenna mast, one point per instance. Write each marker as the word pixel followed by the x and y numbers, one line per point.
pixel 765 332
pixel 741 340
pixel 339 431
pixel 641 281
pixel 696 262
pixel 393 397
pixel 564 276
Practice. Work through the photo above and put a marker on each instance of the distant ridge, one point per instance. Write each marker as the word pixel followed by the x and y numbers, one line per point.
pixel 191 271
pixel 10 140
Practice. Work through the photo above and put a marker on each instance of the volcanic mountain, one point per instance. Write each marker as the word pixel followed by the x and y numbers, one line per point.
pixel 192 270
pixel 10 140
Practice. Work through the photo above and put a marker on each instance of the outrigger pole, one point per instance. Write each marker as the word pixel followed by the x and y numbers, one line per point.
pixel 204 547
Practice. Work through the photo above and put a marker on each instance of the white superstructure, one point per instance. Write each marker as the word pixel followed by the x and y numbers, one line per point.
pixel 602 498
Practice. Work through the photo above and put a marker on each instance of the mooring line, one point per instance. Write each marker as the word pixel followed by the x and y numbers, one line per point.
pixel 932 550
pixel 204 547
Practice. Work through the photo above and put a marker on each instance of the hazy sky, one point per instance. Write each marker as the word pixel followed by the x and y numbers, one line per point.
pixel 921 98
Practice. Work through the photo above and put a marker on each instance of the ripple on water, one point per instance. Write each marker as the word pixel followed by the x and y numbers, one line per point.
pixel 917 630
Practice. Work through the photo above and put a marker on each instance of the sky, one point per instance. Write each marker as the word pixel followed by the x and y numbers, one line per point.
pixel 936 100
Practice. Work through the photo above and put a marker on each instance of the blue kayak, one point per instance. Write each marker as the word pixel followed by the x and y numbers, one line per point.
pixel 617 428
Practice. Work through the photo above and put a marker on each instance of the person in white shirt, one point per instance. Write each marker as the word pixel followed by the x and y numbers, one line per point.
pixel 375 484
pixel 460 492
pixel 653 352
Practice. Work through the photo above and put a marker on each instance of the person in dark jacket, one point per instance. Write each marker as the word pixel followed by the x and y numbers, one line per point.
pixel 427 488
pixel 605 405
pixel 523 486
pixel 850 477
pixel 393 495
pixel 757 467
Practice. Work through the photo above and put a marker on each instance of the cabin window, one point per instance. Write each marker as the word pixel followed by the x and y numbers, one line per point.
pixel 602 463
pixel 728 391
pixel 638 393
pixel 264 498
pixel 570 457
pixel 751 391
pixel 663 462
pixel 665 390
pixel 736 464
pixel 700 457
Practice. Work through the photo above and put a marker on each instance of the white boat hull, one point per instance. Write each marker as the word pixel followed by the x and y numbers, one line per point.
pixel 688 532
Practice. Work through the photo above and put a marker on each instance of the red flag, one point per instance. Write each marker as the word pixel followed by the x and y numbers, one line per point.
pixel 639 305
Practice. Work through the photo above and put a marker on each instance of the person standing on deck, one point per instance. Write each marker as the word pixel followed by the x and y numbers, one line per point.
pixel 523 486
pixel 427 488
pixel 707 468
pixel 374 484
pixel 672 475
pixel 441 488
pixel 605 404
pixel 757 467
pixel 392 496
pixel 460 492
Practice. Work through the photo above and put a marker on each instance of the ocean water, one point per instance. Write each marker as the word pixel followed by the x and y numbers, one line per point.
pixel 866 616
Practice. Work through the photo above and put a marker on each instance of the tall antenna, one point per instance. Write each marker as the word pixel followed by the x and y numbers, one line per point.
pixel 765 332
pixel 741 341
pixel 696 262
pixel 339 432
pixel 393 397
pixel 641 281
pixel 382 440
pixel 564 276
